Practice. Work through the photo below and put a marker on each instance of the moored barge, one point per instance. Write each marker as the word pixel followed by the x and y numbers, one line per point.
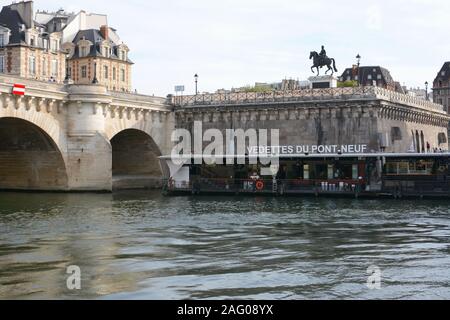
pixel 397 175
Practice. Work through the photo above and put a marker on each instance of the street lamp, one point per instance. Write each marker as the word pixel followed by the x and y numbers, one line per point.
pixel 67 66
pixel 196 84
pixel 358 58
pixel 95 80
pixel 426 90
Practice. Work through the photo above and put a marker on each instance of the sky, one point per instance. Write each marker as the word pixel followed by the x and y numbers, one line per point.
pixel 234 43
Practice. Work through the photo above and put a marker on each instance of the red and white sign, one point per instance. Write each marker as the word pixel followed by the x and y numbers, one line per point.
pixel 19 89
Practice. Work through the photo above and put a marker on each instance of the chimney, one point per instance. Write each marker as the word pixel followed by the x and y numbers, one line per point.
pixel 104 30
pixel 25 11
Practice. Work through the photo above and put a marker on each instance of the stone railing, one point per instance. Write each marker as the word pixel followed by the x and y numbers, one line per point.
pixel 33 87
pixel 397 97
pixel 139 100
pixel 305 95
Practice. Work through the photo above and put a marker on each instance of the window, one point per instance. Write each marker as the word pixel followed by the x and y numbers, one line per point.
pixel 330 172
pixel 122 74
pixel 306 172
pixel 105 69
pixel 379 77
pixel 32 42
pixel 54 45
pixel 369 77
pixel 32 65
pixel 114 73
pixel 84 72
pixel 84 52
pixel 44 66
pixel 54 68
pixel 2 64
pixel 396 134
pixel 355 174
pixel 2 40
pixel 442 138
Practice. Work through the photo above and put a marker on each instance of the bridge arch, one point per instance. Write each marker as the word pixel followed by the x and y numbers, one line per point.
pixel 30 158
pixel 135 160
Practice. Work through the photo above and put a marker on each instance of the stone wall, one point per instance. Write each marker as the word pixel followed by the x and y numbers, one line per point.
pixel 383 123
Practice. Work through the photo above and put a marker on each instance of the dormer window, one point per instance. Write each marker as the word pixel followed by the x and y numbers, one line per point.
pixel 2 40
pixel 106 52
pixel 83 52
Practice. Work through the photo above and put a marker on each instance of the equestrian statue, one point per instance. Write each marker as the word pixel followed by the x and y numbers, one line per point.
pixel 321 60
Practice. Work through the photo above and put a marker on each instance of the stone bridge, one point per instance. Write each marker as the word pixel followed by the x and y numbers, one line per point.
pixel 80 137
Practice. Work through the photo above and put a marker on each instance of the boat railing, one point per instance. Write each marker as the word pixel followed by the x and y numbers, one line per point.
pixel 267 185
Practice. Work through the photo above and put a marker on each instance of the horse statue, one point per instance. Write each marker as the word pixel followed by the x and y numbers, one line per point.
pixel 320 62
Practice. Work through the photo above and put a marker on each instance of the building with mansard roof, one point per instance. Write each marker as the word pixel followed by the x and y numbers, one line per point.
pixel 441 87
pixel 372 76
pixel 48 46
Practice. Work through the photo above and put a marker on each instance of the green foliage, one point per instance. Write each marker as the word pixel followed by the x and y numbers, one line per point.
pixel 347 84
pixel 258 89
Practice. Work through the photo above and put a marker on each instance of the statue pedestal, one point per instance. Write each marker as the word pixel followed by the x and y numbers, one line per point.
pixel 323 82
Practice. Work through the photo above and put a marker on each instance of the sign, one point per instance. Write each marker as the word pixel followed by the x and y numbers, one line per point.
pixel 19 89
pixel 307 149
pixel 179 88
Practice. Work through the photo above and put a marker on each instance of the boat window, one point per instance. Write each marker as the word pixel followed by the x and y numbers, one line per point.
pixel 330 172
pixel 413 167
pixel 355 175
pixel 306 172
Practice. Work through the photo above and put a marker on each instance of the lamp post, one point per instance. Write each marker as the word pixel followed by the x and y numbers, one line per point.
pixel 358 58
pixel 67 66
pixel 426 90
pixel 95 80
pixel 196 84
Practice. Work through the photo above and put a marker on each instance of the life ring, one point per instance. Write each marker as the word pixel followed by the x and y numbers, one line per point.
pixel 259 185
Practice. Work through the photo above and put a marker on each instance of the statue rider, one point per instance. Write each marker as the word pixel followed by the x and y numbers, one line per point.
pixel 323 55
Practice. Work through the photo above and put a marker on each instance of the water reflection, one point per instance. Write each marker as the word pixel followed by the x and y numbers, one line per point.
pixel 141 245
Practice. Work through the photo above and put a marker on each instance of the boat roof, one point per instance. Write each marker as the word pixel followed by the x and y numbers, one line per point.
pixel 311 156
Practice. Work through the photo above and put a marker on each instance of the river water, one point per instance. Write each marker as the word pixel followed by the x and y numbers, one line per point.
pixel 140 245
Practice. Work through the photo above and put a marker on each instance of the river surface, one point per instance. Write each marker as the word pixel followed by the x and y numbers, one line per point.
pixel 140 245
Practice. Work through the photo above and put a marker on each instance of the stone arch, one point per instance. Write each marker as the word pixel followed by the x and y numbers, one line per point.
pixel 135 160
pixel 46 122
pixel 30 158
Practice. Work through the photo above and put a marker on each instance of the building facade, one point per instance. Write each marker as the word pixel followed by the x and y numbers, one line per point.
pixel 26 48
pixel 372 76
pixel 441 87
pixel 58 46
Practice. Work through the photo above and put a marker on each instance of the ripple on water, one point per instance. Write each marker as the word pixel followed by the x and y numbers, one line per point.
pixel 141 245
